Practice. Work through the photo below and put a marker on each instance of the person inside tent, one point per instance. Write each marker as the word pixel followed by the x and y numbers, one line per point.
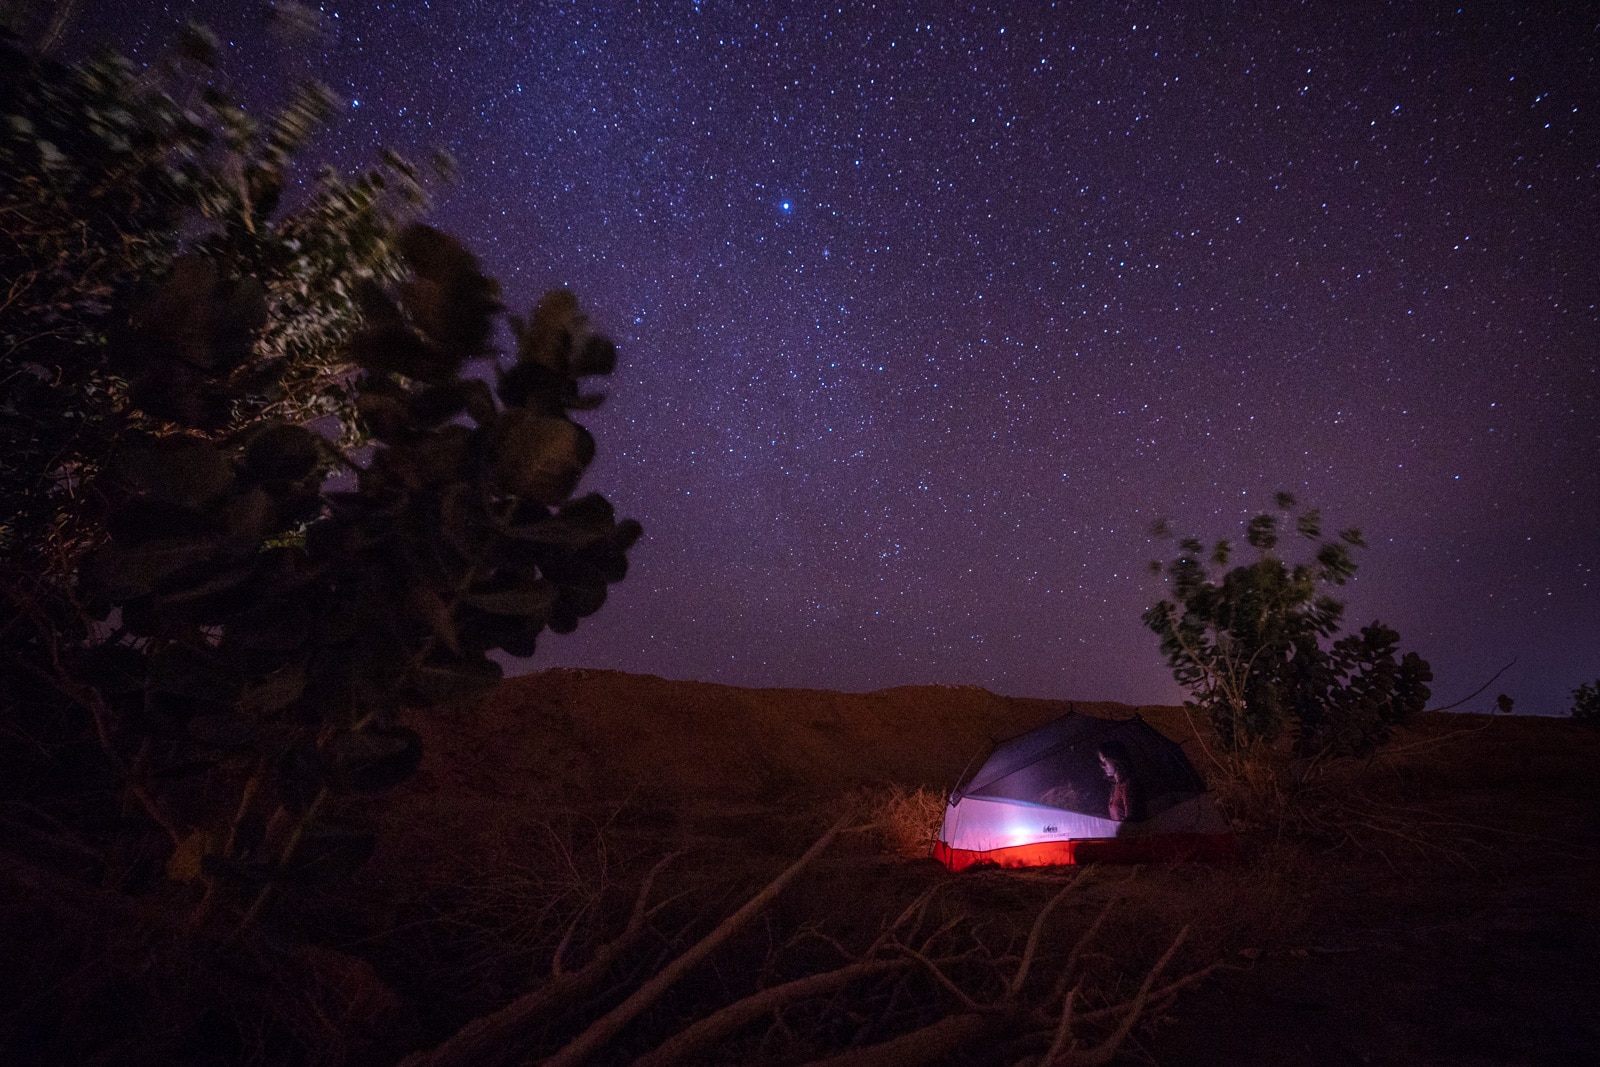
pixel 1126 804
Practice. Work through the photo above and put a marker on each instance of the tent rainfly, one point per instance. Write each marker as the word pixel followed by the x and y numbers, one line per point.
pixel 1083 789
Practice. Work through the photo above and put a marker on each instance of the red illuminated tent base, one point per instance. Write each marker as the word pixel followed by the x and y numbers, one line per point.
pixel 1155 848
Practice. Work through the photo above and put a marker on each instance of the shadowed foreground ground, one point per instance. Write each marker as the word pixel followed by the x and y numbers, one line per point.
pixel 1475 942
pixel 1486 954
pixel 1442 910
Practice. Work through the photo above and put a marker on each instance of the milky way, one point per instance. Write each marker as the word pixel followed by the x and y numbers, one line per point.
pixel 927 315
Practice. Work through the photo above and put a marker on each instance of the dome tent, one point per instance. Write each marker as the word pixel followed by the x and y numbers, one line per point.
pixel 1043 798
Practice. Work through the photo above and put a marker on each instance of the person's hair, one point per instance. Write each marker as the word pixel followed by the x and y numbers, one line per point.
pixel 1115 753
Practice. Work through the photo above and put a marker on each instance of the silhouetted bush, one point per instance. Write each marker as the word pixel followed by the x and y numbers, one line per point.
pixel 1257 647
pixel 219 604
pixel 1586 703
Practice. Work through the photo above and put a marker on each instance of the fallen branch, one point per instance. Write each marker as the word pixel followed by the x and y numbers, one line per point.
pixel 1062 1055
pixel 720 1024
pixel 1071 965
pixel 925 1045
pixel 503 1036
pixel 949 1035
pixel 1059 1046
pixel 602 1030
pixel 1015 988
pixel 1172 988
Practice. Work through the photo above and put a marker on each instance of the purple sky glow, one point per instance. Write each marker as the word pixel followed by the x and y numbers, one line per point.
pixel 928 311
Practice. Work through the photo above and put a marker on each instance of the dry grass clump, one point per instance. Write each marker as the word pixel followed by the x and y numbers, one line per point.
pixel 1259 788
pixel 1266 791
pixel 907 820
pixel 1365 803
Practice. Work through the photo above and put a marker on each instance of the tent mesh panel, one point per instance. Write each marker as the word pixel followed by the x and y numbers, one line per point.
pixel 1058 765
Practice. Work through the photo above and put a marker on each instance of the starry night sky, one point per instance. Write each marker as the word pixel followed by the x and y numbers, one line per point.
pixel 926 315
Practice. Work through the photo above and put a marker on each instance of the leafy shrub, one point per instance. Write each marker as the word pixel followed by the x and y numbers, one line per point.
pixel 1257 647
pixel 110 176
pixel 1586 703
pixel 237 609
pixel 282 665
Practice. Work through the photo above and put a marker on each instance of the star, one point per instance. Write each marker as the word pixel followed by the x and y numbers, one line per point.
pixel 1217 257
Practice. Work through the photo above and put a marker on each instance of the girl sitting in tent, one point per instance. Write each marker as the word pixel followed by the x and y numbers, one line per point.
pixel 1126 803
